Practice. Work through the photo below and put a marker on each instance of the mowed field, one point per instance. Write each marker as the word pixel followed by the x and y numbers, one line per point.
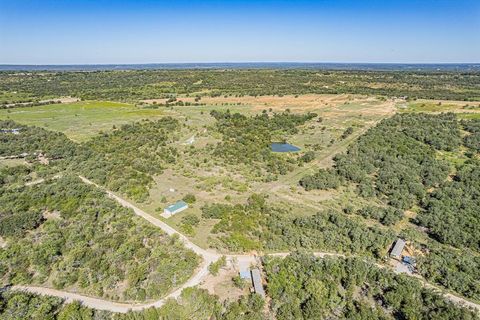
pixel 80 120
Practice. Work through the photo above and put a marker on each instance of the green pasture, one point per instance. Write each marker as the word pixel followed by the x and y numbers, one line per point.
pixel 80 120
pixel 11 162
pixel 429 106
pixel 469 115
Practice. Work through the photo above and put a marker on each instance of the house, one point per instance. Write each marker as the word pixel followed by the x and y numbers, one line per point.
pixel 257 282
pixel 256 279
pixel 174 208
pixel 397 249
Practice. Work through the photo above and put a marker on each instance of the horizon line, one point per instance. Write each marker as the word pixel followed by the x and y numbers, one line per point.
pixel 234 62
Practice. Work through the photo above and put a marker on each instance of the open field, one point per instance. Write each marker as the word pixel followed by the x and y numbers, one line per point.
pixel 80 120
pixel 12 162
pixel 469 115
pixel 464 109
pixel 211 181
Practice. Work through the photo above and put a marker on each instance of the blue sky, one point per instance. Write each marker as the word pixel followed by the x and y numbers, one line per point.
pixel 141 31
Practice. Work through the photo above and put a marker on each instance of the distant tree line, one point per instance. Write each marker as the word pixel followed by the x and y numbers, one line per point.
pixel 135 85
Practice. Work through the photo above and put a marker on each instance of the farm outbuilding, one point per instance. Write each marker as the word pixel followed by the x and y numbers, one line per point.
pixel 256 279
pixel 174 208
pixel 257 282
pixel 398 249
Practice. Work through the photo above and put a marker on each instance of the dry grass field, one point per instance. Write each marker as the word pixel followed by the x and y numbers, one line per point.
pixel 213 181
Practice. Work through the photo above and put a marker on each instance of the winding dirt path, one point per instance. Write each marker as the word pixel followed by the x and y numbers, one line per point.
pixel 101 304
pixel 208 257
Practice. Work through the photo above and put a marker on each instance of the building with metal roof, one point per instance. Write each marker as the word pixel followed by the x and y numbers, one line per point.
pixel 174 208
pixel 398 249
pixel 257 282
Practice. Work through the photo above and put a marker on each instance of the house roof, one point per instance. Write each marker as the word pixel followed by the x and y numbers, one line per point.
pixel 257 282
pixel 177 205
pixel 398 248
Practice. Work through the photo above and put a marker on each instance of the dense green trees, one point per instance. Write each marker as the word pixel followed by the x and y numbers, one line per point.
pixel 193 303
pixel 32 140
pixel 262 225
pixel 143 84
pixel 19 305
pixel 396 160
pixel 300 286
pixel 472 140
pixel 324 179
pixel 266 226
pixel 240 226
pixel 247 140
pixel 81 238
pixel 454 270
pixel 15 175
pixel 326 231
pixel 304 287
pixel 386 215
pixel 452 211
pixel 126 159
pixel 399 162
pixel 17 215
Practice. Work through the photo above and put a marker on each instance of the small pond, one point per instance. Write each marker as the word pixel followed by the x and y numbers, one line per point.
pixel 284 147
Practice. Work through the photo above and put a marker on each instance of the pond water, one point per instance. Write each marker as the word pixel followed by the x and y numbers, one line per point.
pixel 284 147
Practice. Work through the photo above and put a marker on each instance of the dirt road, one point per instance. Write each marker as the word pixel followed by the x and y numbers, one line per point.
pixel 208 257
pixel 101 304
